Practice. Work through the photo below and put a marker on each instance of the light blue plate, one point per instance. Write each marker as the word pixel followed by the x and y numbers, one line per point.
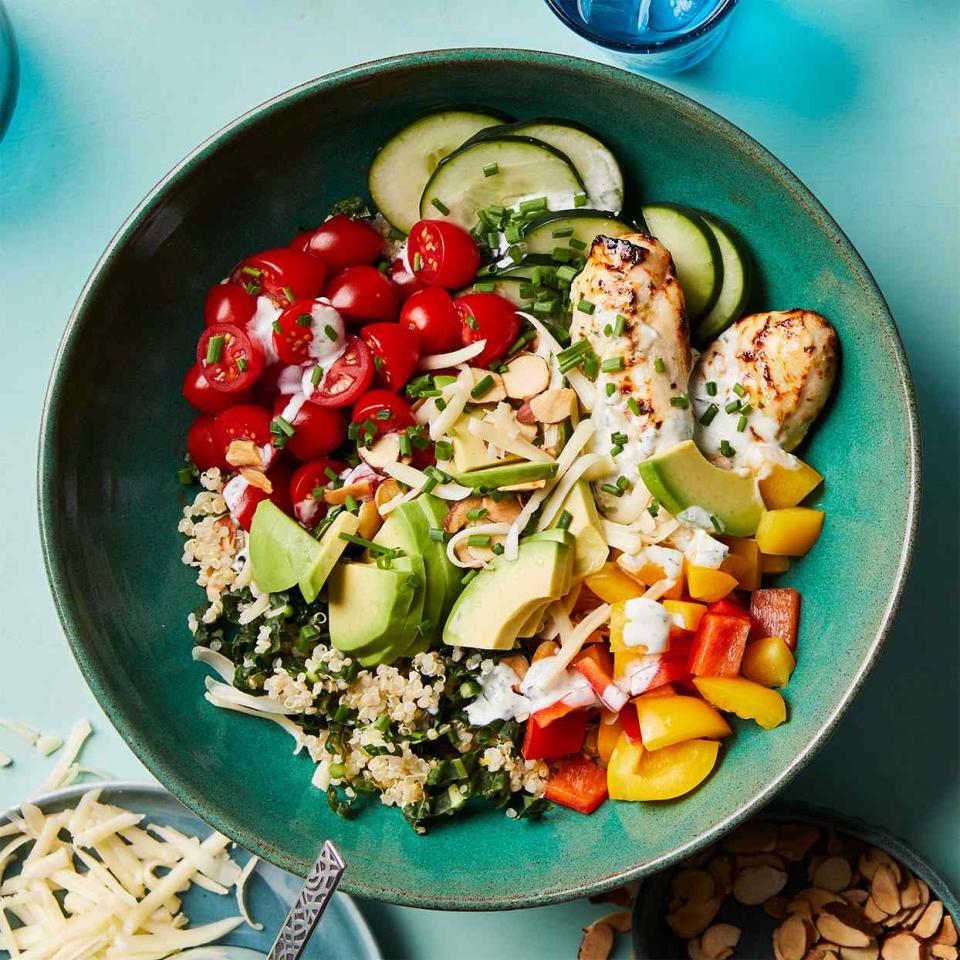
pixel 342 934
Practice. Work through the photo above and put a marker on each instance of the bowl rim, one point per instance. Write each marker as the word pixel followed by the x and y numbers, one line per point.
pixel 54 547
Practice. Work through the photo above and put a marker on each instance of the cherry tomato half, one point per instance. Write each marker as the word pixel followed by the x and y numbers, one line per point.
pixel 283 273
pixel 442 254
pixel 228 303
pixel 246 421
pixel 201 396
pixel 204 449
pixel 431 312
pixel 347 379
pixel 487 316
pixel 229 358
pixel 385 410
pixel 341 242
pixel 243 498
pixel 302 323
pixel 307 478
pixel 395 350
pixel 316 430
pixel 403 279
pixel 363 294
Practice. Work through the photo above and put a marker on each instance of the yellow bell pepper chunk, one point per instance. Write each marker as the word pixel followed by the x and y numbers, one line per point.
pixel 612 585
pixel 706 584
pixel 774 564
pixel 748 700
pixel 690 613
pixel 768 662
pixel 789 533
pixel 786 486
pixel 668 720
pixel 608 734
pixel 638 774
pixel 743 561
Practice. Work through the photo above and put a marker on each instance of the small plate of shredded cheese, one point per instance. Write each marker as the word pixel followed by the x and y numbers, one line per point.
pixel 122 871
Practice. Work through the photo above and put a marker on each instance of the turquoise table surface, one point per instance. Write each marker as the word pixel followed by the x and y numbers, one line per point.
pixel 859 98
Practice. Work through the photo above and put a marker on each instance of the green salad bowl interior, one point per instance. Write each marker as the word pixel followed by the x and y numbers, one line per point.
pixel 113 438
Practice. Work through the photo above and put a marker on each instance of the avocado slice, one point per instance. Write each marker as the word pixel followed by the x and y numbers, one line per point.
pixel 534 622
pixel 682 478
pixel 367 605
pixel 442 575
pixel 469 451
pixel 404 633
pixel 592 549
pixel 331 549
pixel 500 599
pixel 281 551
pixel 508 474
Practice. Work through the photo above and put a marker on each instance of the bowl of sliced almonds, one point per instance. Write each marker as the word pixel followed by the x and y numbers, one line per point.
pixel 798 883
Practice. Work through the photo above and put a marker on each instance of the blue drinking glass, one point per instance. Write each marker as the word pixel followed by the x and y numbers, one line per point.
pixel 9 71
pixel 649 36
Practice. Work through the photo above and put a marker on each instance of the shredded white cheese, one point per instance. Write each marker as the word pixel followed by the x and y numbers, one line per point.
pixel 573 641
pixel 443 361
pixel 493 529
pixel 490 433
pixel 456 396
pixel 65 770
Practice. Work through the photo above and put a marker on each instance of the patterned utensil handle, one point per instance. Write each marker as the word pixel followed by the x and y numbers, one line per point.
pixel 312 900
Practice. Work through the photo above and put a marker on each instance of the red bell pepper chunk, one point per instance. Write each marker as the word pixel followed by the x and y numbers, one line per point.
pixel 728 608
pixel 578 783
pixel 630 722
pixel 557 738
pixel 776 613
pixel 601 682
pixel 555 711
pixel 718 646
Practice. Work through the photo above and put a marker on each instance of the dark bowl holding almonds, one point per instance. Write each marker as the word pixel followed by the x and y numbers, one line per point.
pixel 798 883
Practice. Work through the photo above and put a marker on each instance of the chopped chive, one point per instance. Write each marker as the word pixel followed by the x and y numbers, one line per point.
pixel 521 341
pixel 251 271
pixel 288 293
pixel 406 447
pixel 317 493
pixel 619 437
pixel 513 233
pixel 468 576
pixel 732 407
pixel 215 348
pixel 471 322
pixel 726 449
pixel 532 206
pixel 564 520
pixel 562 232
pixel 543 306
pixel 623 483
pixel 634 407
pixel 682 401
pixel 330 473
pixel 579 199
pixel 440 205
pixel 493 239
pixel 330 332
pixel 481 386
pixel 711 388
pixel 746 409
pixel 738 390
pixel 304 320
pixel 612 365
pixel 185 476
pixel 515 252
pixel 741 424
pixel 612 489
pixel 659 365
pixel 241 364
pixel 616 450
pixel 491 169
pixel 253 289
pixel 585 306
pixel 383 414
pixel 577 244
pixel 316 374
pixel 276 326
pixel 478 513
pixel 561 254
pixel 436 534
pixel 611 389
pixel 374 548
pixel 707 417
pixel 350 502
pixel 353 431
pixel 284 426
pixel 478 540
pixel 653 508
pixel 437 474
pixel 497 549
pixel 441 404
pixel 443 450
pixel 566 274
pixel 417 262
pixel 431 484
pixel 620 325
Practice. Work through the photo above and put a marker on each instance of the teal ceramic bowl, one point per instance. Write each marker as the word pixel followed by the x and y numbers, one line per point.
pixel 113 435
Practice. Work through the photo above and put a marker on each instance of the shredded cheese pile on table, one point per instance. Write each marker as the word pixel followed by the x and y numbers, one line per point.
pixel 96 883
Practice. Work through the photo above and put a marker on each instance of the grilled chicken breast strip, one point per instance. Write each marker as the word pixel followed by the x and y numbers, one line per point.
pixel 633 277
pixel 780 368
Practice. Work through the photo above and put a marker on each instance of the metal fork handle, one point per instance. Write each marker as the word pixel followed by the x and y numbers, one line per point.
pixel 316 893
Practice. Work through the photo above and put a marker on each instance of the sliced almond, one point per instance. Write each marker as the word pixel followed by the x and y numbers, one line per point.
pixel 529 485
pixel 793 938
pixel 526 376
pixel 753 885
pixel 383 450
pixel 943 951
pixel 691 919
pixel 844 925
pixel 871 859
pixel 833 874
pixel 547 648
pixel 870 952
pixel 884 889
pixel 776 907
pixel 800 908
pixel 823 951
pixel 597 942
pixel 386 492
pixel 370 520
pixel 721 869
pixel 456 518
pixel 257 478
pixel 719 940
pixel 552 406
pixel 930 920
pixel 360 490
pixel 494 393
pixel 695 949
pixel 924 891
pixel 901 946
pixel 795 840
pixel 947 932
pixel 909 890
pixel 244 453
pixel 760 860
pixel 817 898
pixel 856 896
pixel 692 885
pixel 896 920
pixel 758 836
pixel 872 912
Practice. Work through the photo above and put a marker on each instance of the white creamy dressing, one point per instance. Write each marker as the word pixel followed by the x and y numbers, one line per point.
pixel 647 625
pixel 640 673
pixel 290 380
pixel 705 551
pixel 498 701
pixel 233 492
pixel 696 518
pixel 260 326
pixel 323 348
pixel 670 561
pixel 293 407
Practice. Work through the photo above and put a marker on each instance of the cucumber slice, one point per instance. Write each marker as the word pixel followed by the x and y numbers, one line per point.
pixel 584 226
pixel 505 286
pixel 695 253
pixel 405 163
pixel 526 169
pixel 594 161
pixel 736 283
